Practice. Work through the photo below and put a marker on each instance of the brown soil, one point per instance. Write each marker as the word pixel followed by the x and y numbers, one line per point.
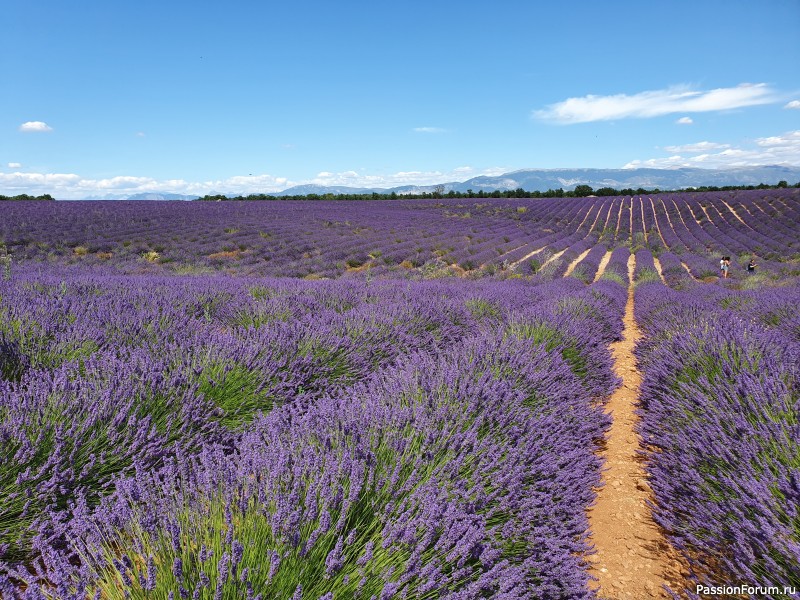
pixel 575 262
pixel 225 254
pixel 657 263
pixel 619 220
pixel 688 270
pixel 603 264
pixel 669 221
pixel 526 257
pixel 458 269
pixel 633 559
pixel 360 268
pixel 655 221
pixel 555 256
pixel 736 214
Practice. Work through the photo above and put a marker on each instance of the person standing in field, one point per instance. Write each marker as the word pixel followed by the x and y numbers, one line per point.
pixel 751 266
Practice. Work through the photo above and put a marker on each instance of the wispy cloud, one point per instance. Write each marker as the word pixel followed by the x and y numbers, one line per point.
pixel 685 121
pixel 141 134
pixel 774 150
pixel 71 185
pixel 14 165
pixel 696 147
pixel 387 180
pixel 35 127
pixel 429 130
pixel 795 104
pixel 777 141
pixel 655 103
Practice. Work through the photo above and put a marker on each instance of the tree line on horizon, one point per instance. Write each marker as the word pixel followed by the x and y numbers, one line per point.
pixel 23 197
pixel 580 191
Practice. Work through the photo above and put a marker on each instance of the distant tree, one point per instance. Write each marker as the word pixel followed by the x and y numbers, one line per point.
pixel 26 197
pixel 609 191
pixel 582 191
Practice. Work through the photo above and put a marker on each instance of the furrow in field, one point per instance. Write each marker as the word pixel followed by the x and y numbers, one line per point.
pixel 603 263
pixel 657 263
pixel 634 558
pixel 575 262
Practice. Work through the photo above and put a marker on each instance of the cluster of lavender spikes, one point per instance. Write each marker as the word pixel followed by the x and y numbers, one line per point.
pixel 402 237
pixel 430 438
pixel 225 437
pixel 720 406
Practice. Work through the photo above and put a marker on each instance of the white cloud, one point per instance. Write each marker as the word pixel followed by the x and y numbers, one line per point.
pixel 71 185
pixel 654 103
pixel 13 165
pixel 685 121
pixel 355 179
pixel 35 126
pixel 774 150
pixel 696 147
pixel 429 130
pixel 793 137
pixel 793 104
pixel 140 134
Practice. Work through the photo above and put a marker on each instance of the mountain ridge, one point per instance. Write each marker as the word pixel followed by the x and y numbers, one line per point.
pixel 541 180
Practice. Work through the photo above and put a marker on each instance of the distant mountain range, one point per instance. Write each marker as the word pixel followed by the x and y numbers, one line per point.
pixel 549 179
pixel 144 196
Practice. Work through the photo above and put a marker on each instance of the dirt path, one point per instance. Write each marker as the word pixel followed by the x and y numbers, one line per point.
pixel 633 558
pixel 586 216
pixel 575 262
pixel 644 229
pixel 669 222
pixel 655 221
pixel 688 270
pixel 619 220
pixel 735 214
pixel 603 264
pixel 526 257
pixel 683 221
pixel 657 263
pixel 596 217
pixel 630 221
pixel 554 257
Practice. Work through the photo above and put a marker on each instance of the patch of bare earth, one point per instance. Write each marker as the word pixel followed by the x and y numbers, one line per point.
pixel 575 262
pixel 688 270
pixel 553 258
pixel 657 263
pixel 526 257
pixel 633 558
pixel 603 264
pixel 225 254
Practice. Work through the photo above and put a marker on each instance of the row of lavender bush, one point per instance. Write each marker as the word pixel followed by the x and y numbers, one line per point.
pixel 225 437
pixel 327 239
pixel 720 402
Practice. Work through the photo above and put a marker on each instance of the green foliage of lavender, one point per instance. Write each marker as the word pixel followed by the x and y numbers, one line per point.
pixel 79 426
pixel 409 414
pixel 721 407
pixel 177 422
pixel 436 478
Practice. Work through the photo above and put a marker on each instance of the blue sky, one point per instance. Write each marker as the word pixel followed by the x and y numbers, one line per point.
pixel 105 98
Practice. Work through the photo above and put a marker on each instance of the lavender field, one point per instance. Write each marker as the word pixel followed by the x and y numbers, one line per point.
pixel 394 399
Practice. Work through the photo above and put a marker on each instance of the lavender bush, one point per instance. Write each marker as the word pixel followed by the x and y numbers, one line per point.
pixel 719 407
pixel 421 482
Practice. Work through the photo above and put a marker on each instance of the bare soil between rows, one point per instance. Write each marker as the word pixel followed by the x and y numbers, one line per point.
pixel 633 558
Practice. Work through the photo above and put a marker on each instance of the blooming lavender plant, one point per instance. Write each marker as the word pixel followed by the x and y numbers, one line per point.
pixel 719 407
